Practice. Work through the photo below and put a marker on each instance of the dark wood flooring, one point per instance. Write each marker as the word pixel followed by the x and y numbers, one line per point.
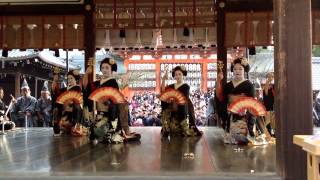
pixel 37 154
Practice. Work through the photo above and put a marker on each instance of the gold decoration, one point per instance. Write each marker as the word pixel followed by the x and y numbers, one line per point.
pixel 244 61
pixel 220 66
pixel 222 4
pixel 56 70
pixel 112 61
pixel 91 61
pixel 183 68
pixel 5 45
pixel 88 7
pixel 76 72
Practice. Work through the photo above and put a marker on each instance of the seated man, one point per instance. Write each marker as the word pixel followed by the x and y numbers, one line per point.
pixel 24 107
pixel 3 118
pixel 44 107
pixel 2 105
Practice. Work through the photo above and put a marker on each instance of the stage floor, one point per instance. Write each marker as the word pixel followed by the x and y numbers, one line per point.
pixel 37 154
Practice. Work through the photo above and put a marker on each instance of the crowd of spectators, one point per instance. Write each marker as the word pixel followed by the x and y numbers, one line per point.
pixel 145 108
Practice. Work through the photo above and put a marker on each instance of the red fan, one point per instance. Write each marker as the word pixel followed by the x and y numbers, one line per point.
pixel 107 93
pixel 68 96
pixel 247 103
pixel 173 95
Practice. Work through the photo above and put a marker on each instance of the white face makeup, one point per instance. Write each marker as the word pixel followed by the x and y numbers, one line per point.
pixel 71 81
pixel 178 76
pixel 238 72
pixel 106 70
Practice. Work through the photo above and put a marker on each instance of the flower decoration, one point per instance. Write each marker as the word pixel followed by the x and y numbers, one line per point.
pixel 112 61
pixel 56 70
pixel 76 72
pixel 244 61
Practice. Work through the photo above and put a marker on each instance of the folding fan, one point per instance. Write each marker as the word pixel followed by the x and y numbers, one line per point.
pixel 68 96
pixel 173 95
pixel 247 103
pixel 107 93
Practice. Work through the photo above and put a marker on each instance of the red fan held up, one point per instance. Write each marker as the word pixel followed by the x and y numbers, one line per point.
pixel 173 95
pixel 240 105
pixel 70 96
pixel 107 93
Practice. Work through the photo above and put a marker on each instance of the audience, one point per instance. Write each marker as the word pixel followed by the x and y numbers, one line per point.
pixel 145 108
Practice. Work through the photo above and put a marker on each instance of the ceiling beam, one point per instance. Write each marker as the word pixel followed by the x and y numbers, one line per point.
pixel 257 5
pixel 54 9
pixel 72 9
pixel 315 4
pixel 248 5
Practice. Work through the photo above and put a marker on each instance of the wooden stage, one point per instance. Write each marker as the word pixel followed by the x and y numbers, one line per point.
pixel 36 154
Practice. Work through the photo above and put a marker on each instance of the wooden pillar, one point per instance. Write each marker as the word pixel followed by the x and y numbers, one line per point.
pixel 293 101
pixel 36 88
pixel 89 33
pixel 221 49
pixel 17 85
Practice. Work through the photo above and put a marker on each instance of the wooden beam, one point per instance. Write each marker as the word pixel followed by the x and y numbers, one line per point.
pixel 249 5
pixel 174 13
pixel 37 71
pixel 55 9
pixel 257 5
pixel 293 82
pixel 115 13
pixel 315 4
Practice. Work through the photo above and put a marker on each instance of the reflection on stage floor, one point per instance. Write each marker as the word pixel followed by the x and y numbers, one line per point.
pixel 36 152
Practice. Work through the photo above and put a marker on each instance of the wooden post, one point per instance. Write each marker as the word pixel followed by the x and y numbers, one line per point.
pixel 221 49
pixel 36 88
pixel 17 85
pixel 89 34
pixel 293 101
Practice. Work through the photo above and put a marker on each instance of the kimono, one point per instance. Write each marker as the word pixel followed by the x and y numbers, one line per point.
pixel 268 101
pixel 44 107
pixel 2 108
pixel 106 125
pixel 237 125
pixel 24 108
pixel 7 124
pixel 68 116
pixel 179 119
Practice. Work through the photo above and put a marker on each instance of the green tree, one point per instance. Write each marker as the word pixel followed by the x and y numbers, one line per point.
pixel 316 51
